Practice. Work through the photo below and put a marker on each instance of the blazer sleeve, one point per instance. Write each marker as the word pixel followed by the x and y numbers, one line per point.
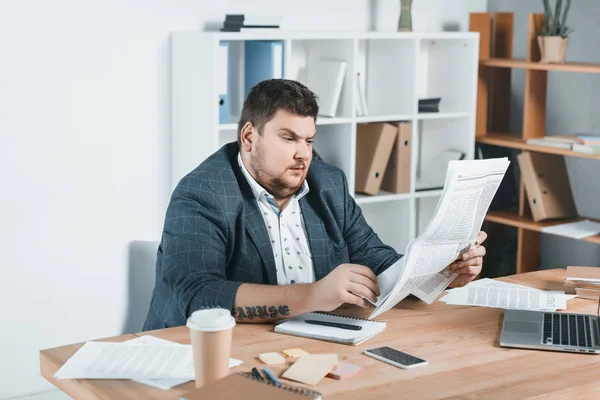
pixel 364 245
pixel 194 250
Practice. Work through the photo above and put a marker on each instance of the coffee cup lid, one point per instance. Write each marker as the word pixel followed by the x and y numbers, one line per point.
pixel 211 320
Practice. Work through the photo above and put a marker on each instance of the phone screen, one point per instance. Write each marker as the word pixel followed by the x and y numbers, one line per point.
pixel 396 356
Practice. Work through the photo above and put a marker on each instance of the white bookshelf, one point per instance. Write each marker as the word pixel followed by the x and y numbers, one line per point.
pixel 397 69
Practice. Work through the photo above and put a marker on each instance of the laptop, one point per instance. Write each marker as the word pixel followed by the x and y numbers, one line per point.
pixel 575 333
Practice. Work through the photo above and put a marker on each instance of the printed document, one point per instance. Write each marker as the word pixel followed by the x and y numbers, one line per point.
pixel 149 360
pixel 468 191
pixel 498 294
pixel 166 384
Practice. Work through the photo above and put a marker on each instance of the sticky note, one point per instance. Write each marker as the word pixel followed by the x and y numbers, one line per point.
pixel 344 370
pixel 311 369
pixel 294 353
pixel 271 358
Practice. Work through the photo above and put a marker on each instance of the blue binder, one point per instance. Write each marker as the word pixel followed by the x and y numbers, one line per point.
pixel 223 83
pixel 264 60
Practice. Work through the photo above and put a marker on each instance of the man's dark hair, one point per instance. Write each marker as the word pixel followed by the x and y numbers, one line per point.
pixel 267 97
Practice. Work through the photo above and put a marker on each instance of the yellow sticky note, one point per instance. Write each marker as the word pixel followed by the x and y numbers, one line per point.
pixel 294 353
pixel 271 358
pixel 311 369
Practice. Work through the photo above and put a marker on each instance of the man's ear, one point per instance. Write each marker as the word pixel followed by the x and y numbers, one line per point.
pixel 247 136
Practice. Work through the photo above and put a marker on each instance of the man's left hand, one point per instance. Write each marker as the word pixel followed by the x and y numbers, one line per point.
pixel 469 265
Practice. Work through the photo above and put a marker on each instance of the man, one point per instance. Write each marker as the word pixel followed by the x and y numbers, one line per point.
pixel 265 230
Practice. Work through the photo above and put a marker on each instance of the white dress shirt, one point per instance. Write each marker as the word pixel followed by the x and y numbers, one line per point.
pixel 287 233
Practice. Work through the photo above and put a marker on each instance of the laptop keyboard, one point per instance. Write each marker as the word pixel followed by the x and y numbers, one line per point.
pixel 567 330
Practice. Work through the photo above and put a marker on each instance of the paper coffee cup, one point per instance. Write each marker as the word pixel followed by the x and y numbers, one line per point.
pixel 211 335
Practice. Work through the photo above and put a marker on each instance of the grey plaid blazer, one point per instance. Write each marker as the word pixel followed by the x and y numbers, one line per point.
pixel 214 237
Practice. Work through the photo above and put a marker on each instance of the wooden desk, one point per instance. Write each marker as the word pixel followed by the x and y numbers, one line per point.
pixel 460 343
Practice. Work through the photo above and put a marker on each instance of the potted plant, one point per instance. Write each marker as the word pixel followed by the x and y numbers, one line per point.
pixel 554 37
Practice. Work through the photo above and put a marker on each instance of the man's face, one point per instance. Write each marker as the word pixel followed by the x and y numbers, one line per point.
pixel 280 157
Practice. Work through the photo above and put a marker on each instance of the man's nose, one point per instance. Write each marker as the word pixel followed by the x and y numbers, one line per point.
pixel 303 150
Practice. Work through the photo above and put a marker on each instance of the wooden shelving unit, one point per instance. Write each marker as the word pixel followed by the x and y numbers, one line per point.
pixel 513 219
pixel 515 142
pixel 534 65
pixel 493 105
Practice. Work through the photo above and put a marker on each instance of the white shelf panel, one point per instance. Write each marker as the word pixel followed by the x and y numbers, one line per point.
pixel 385 118
pixel 383 196
pixel 426 116
pixel 333 121
pixel 428 193
pixel 320 121
pixel 280 34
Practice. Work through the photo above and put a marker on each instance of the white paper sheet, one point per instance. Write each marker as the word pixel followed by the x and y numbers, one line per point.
pixel 468 191
pixel 150 360
pixel 497 294
pixel 100 360
pixel 576 230
pixel 166 384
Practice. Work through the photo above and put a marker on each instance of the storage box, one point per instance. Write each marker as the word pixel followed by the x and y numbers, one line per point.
pixel 397 174
pixel 374 144
pixel 547 185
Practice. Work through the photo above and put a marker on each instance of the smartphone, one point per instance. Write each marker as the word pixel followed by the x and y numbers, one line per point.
pixel 395 357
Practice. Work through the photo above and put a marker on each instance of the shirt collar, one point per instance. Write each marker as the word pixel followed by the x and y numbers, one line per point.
pixel 259 191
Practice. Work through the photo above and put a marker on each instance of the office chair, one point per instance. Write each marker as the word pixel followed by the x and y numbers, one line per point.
pixel 141 277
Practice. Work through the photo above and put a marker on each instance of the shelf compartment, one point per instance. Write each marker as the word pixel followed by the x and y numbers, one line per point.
pixel 387 68
pixel 391 221
pixel 511 218
pixel 444 70
pixel 534 65
pixel 515 141
pixel 439 141
pixel 305 55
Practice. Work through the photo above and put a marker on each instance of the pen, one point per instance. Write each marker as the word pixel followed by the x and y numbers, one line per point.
pixel 257 375
pixel 271 376
pixel 335 325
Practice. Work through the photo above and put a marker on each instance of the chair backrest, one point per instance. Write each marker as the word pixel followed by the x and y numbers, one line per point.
pixel 141 279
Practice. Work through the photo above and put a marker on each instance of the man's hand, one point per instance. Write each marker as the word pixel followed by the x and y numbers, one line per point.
pixel 342 286
pixel 469 266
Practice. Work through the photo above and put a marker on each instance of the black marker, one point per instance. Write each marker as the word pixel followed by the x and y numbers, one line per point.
pixel 335 325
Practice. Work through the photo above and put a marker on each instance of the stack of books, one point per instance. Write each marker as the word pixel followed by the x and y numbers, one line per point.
pixel 247 23
pixel 579 143
pixel 585 280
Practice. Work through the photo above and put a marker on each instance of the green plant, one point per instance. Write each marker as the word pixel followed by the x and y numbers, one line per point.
pixel 555 24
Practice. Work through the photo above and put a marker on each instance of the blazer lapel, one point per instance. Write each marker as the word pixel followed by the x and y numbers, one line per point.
pixel 255 226
pixel 316 239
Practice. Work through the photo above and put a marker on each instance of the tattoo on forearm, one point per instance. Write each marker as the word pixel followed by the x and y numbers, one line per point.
pixel 252 312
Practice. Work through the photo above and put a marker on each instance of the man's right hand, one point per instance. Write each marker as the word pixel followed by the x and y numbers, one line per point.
pixel 342 286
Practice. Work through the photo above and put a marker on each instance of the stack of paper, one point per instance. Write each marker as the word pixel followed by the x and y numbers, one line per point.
pixel 576 230
pixel 147 359
pixel 496 294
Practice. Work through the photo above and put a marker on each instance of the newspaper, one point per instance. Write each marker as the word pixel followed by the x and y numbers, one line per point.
pixel 468 191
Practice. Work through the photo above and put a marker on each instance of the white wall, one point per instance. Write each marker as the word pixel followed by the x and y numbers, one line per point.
pixel 84 165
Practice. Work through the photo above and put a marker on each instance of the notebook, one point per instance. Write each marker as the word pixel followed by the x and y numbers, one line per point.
pixel 297 327
pixel 244 385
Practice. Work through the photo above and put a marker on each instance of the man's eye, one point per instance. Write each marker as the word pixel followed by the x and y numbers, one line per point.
pixel 289 139
pixel 310 141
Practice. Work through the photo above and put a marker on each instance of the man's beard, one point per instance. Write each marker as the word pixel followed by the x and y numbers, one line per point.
pixel 277 186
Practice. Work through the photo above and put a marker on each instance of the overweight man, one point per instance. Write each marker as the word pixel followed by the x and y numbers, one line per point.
pixel 265 230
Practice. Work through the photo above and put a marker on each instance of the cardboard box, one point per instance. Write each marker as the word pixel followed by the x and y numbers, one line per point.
pixel 547 185
pixel 374 144
pixel 397 174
